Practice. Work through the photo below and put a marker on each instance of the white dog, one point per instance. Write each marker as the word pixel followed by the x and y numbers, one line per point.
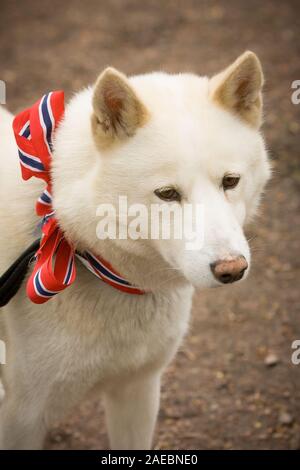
pixel 155 138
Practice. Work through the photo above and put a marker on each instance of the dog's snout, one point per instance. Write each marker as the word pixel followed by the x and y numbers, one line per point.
pixel 229 270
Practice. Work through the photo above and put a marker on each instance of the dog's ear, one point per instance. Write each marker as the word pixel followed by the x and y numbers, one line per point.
pixel 238 89
pixel 118 112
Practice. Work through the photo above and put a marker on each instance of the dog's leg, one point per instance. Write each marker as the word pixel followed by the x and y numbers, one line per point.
pixel 2 391
pixel 131 411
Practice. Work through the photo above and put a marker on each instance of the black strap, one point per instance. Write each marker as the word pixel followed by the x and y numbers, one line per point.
pixel 11 280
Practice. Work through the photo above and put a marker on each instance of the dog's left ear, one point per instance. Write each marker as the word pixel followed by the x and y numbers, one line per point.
pixel 118 111
pixel 238 89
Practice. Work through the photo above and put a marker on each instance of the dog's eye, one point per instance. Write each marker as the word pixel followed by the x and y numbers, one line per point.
pixel 168 194
pixel 230 181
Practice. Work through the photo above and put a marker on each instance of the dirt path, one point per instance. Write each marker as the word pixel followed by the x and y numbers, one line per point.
pixel 219 393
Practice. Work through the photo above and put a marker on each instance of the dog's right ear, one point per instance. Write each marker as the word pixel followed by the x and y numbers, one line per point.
pixel 118 111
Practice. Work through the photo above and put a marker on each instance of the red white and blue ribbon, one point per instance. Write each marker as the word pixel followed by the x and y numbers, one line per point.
pixel 55 268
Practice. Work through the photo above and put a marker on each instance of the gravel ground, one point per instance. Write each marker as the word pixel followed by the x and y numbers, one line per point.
pixel 232 385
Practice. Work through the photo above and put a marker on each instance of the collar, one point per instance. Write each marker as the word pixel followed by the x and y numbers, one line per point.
pixel 55 266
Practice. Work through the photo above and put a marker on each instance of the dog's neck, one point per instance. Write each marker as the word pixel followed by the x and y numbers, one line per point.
pixel 148 271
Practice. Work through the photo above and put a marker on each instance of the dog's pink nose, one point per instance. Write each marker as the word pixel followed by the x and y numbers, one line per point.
pixel 229 270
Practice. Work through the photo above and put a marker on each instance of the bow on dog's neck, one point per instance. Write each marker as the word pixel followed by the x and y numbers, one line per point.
pixel 55 267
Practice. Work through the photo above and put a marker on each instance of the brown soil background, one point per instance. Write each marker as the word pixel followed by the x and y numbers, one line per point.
pixel 218 393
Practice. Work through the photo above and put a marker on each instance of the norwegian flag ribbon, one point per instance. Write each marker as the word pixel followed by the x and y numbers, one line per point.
pixel 55 268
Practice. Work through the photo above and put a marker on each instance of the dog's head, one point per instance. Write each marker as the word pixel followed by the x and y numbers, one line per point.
pixel 167 139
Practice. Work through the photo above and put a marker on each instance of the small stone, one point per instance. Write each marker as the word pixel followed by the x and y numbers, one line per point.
pixel 220 375
pixel 271 360
pixel 56 438
pixel 214 406
pixel 285 418
pixel 257 424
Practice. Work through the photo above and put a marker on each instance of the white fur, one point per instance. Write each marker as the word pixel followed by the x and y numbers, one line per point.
pixel 90 335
